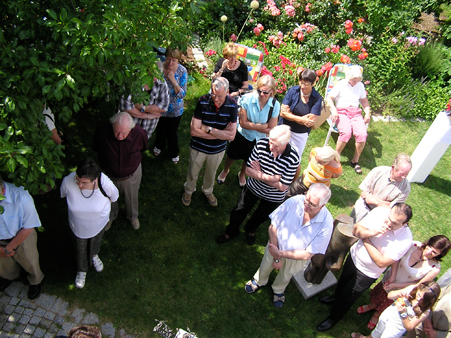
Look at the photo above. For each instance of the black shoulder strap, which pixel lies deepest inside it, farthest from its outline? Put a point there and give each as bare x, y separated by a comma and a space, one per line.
271, 109
101, 188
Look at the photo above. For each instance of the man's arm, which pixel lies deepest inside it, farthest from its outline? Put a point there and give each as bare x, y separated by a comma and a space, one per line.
201, 130
362, 232
381, 260
373, 200
254, 171
15, 242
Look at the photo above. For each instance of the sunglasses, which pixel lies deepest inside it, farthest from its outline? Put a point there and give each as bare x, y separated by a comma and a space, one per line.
263, 92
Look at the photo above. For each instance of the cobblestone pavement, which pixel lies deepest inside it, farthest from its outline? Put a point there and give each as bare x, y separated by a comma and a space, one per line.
45, 317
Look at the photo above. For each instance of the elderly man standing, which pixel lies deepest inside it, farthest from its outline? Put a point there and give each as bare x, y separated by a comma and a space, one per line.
383, 187
300, 228
384, 237
212, 125
18, 238
119, 147
271, 169
147, 115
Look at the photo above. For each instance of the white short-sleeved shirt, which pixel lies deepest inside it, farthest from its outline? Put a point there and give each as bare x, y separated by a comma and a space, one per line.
88, 216
346, 95
314, 236
393, 244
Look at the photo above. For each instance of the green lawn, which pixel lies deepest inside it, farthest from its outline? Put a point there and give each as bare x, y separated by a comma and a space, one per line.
172, 269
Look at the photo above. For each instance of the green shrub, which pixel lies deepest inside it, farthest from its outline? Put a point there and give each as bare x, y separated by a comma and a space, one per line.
434, 62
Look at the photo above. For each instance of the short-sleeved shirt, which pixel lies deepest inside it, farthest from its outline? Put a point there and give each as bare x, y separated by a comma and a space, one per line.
314, 236
250, 103
313, 106
285, 165
214, 117
318, 173
175, 108
393, 244
346, 95
236, 77
88, 215
379, 184
119, 159
20, 212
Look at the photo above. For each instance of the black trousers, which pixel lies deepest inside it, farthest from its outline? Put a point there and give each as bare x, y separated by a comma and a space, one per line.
244, 207
167, 131
351, 285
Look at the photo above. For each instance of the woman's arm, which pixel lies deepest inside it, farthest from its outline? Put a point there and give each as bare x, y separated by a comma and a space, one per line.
333, 110
427, 278
246, 124
411, 323
366, 108
286, 113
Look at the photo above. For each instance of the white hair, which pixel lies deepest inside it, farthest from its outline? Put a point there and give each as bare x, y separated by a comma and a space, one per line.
354, 72
281, 134
119, 118
219, 83
320, 190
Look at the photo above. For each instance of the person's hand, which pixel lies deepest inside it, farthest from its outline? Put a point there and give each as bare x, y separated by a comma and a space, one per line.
370, 199
428, 329
277, 266
3, 253
256, 165
388, 286
234, 94
229, 127
171, 76
274, 251
138, 106
334, 117
307, 121
224, 64
367, 118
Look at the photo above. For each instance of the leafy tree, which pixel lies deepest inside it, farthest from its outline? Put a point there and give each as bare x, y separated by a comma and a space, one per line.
65, 53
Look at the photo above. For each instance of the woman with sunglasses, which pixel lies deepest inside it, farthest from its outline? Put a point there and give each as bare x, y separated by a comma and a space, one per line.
420, 264
89, 194
258, 115
233, 70
300, 109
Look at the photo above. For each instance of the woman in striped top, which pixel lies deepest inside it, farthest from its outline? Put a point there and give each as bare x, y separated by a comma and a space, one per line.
324, 164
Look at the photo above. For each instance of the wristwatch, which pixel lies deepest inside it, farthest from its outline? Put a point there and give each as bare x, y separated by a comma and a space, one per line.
143, 109
403, 315
6, 251
276, 260
209, 129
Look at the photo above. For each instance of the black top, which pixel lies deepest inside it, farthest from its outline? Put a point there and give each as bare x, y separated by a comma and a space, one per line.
236, 77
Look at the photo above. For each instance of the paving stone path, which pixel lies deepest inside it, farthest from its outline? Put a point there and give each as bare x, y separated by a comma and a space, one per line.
45, 317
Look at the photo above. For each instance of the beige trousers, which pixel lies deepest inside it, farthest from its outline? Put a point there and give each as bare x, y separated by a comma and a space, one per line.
288, 269
27, 257
129, 189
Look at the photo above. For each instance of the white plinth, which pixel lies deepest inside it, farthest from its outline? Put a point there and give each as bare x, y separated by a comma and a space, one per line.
307, 289
431, 148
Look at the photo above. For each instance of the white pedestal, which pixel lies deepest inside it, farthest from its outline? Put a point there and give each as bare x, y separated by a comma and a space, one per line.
431, 148
307, 289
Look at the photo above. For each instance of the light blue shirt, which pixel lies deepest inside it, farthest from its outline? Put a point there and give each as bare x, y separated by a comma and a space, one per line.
249, 102
313, 236
20, 212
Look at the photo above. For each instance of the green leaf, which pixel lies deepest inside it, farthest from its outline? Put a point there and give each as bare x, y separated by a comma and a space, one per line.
46, 89
52, 14
11, 164
63, 14
22, 160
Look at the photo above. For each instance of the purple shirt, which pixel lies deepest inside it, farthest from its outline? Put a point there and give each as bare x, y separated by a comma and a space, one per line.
119, 159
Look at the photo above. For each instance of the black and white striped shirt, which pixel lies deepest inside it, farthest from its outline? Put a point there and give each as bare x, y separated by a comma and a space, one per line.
285, 165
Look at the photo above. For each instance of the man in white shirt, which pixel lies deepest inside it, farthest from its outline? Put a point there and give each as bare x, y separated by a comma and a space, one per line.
384, 238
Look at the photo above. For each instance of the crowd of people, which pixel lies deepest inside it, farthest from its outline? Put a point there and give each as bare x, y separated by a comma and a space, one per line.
269, 137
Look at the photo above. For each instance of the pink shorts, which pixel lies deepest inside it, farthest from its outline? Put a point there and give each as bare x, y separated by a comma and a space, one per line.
349, 122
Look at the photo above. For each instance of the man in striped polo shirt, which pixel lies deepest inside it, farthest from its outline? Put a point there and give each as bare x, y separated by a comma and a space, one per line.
212, 125
271, 169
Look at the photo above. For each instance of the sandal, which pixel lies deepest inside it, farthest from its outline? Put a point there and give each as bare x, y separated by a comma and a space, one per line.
357, 168
156, 151
242, 185
279, 299
373, 321
251, 286
176, 159
364, 309
221, 180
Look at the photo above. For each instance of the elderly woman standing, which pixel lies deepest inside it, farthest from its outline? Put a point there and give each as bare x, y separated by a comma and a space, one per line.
176, 78
300, 109
89, 194
258, 115
348, 94
233, 70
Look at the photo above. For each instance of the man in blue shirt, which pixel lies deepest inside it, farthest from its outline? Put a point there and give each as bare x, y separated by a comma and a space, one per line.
18, 238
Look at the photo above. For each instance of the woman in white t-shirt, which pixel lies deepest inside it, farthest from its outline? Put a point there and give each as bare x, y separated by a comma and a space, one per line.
348, 94
89, 195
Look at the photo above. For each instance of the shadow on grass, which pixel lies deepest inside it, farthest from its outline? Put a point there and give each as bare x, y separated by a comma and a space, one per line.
438, 184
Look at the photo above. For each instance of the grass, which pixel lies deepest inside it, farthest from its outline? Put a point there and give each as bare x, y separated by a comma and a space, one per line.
172, 269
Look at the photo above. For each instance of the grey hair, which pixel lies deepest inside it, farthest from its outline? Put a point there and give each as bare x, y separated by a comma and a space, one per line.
322, 191
219, 83
119, 117
281, 133
354, 72
401, 158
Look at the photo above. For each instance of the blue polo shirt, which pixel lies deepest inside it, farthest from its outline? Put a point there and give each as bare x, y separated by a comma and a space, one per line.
250, 103
20, 212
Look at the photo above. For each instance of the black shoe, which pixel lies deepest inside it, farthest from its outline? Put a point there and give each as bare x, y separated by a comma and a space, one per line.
250, 240
221, 239
34, 291
4, 283
326, 325
328, 300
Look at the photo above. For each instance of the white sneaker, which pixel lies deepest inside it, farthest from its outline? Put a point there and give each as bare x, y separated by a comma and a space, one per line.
98, 265
80, 280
